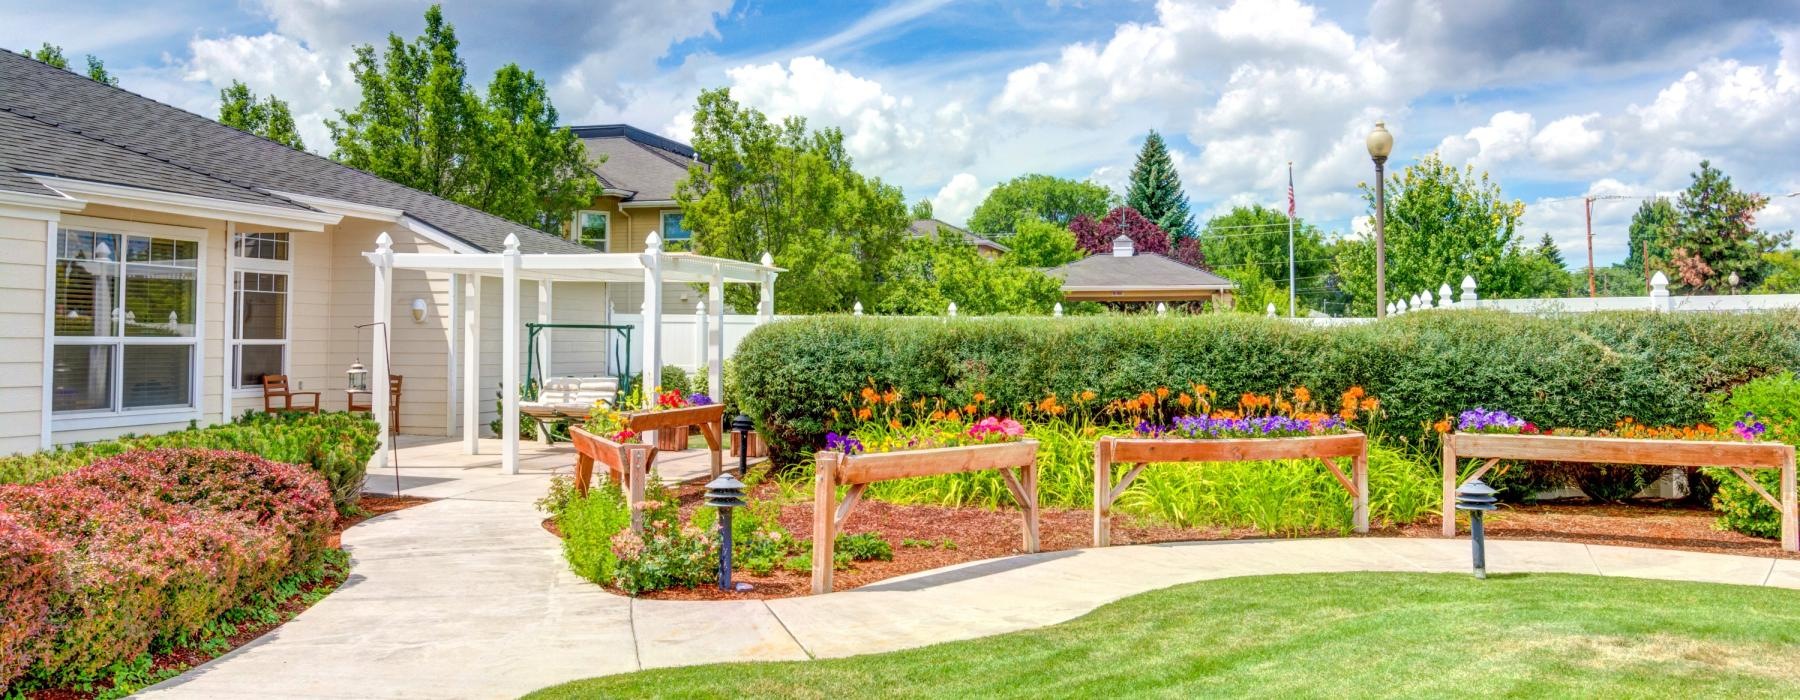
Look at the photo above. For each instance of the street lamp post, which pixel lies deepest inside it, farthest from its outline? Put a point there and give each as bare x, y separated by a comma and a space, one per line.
1381, 143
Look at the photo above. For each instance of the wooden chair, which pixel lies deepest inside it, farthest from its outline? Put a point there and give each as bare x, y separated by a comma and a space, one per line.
367, 404
275, 386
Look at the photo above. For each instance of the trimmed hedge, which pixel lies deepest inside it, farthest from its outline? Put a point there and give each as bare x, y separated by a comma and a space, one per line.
335, 445
144, 549
1579, 370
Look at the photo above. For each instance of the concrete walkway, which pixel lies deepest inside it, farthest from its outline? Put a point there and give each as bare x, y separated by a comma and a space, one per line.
469, 597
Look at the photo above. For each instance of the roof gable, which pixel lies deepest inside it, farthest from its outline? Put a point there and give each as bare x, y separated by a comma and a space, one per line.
645, 166
1140, 271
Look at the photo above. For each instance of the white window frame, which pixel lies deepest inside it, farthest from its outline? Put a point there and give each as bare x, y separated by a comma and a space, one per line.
575, 227
117, 415
238, 266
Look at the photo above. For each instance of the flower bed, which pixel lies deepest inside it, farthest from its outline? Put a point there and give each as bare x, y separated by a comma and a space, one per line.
145, 549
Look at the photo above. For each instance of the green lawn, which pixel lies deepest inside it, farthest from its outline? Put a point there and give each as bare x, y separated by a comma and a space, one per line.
1318, 635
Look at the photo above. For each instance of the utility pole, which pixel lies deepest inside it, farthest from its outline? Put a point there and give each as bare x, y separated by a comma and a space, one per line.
1588, 204
1645, 247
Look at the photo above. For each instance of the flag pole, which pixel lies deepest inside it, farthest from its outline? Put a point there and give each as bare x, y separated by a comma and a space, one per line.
1290, 239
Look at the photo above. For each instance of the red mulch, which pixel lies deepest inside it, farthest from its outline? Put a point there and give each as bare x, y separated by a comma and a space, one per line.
183, 658
986, 534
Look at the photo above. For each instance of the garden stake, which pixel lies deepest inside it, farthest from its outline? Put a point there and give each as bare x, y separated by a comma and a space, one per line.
1476, 497
725, 493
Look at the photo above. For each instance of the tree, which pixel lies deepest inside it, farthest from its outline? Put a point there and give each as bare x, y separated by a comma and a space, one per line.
1716, 234
1042, 244
1652, 228
1250, 243
921, 210
1442, 224
792, 192
1783, 273
421, 125
268, 118
1042, 198
1096, 237
1156, 191
52, 55
933, 271
1547, 249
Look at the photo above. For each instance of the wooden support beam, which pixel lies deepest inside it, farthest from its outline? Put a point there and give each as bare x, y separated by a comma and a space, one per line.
851, 498
824, 520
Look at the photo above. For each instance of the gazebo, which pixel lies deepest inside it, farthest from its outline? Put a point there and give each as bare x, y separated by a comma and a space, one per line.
1128, 276
652, 268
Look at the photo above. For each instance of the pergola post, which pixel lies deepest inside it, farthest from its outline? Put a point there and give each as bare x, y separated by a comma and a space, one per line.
383, 324
509, 356
653, 307
471, 379
700, 334
765, 307
545, 298
715, 336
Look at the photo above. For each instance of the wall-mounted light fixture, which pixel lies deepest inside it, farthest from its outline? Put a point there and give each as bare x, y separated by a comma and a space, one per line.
418, 310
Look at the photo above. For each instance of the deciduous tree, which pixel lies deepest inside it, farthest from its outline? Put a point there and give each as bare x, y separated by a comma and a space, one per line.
52, 55
933, 271
1249, 244
1039, 197
1096, 236
269, 118
1042, 244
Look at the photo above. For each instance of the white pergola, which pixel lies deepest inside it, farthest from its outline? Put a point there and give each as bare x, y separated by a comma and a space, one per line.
652, 268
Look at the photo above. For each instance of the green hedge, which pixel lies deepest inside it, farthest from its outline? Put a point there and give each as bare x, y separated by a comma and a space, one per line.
335, 445
1578, 371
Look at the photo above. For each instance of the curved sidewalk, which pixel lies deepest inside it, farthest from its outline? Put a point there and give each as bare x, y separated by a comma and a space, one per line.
468, 597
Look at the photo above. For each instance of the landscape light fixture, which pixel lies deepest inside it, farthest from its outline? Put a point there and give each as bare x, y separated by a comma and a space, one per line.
1381, 144
1477, 498
726, 493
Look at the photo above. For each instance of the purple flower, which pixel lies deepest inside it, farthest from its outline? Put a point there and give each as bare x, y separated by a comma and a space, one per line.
1479, 419
843, 443
1749, 428
699, 399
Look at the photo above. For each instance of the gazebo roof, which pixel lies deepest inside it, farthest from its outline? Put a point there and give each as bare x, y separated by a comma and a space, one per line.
1126, 275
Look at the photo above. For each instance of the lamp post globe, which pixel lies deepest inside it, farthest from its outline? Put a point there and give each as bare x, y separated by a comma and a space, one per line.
1381, 143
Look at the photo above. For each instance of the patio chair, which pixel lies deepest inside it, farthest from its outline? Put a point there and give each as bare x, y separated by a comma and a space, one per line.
275, 387
368, 401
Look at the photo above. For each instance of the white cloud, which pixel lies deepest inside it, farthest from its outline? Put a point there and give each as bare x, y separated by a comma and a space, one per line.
1568, 141
957, 199
1506, 136
312, 83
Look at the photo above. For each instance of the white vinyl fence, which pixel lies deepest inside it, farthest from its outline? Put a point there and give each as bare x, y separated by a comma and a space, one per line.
1659, 299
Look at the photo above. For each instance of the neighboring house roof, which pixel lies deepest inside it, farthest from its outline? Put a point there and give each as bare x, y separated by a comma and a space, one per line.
639, 165
55, 122
921, 228
1125, 270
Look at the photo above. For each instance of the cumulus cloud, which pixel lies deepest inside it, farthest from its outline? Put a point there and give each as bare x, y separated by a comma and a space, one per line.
311, 82
957, 199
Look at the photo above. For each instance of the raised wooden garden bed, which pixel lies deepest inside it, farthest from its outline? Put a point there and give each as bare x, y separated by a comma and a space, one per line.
627, 462
858, 471
1141, 452
1735, 456
710, 420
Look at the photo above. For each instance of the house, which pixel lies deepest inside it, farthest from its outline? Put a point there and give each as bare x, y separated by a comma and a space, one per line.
155, 265
1127, 276
921, 228
638, 172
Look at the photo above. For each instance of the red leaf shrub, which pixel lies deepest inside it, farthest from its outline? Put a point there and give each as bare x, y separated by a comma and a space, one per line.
27, 580
1096, 237
149, 546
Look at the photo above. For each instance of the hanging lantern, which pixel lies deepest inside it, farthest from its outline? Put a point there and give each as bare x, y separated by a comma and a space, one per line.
357, 378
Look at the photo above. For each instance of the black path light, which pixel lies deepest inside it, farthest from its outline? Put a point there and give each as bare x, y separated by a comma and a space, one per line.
1477, 498
742, 424
725, 493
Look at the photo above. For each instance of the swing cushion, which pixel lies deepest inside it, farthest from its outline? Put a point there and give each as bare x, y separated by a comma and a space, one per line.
574, 395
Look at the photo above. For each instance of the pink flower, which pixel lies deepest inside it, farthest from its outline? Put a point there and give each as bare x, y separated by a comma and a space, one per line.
991, 426
1011, 427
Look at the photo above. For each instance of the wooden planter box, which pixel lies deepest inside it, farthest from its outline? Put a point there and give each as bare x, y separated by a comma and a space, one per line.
672, 439
709, 419
1735, 456
858, 471
1141, 452
628, 464
758, 447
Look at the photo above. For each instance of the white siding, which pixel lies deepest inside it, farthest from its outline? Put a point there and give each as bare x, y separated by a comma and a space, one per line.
22, 255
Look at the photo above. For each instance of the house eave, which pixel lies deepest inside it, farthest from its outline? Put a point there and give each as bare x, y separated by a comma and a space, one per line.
188, 205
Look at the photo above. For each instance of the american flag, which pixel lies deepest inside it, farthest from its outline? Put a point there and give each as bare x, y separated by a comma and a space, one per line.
1290, 190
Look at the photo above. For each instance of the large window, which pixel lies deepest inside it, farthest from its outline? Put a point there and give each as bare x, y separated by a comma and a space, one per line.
259, 303
673, 231
591, 229
126, 309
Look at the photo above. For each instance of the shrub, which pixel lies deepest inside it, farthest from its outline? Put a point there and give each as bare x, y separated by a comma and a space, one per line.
337, 446
1775, 400
589, 524
1580, 370
864, 546
28, 580
151, 546
1614, 483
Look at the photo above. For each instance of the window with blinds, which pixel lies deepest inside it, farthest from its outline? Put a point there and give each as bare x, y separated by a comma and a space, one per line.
125, 310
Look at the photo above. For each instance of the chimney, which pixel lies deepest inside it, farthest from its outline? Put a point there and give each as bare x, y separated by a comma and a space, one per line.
1122, 247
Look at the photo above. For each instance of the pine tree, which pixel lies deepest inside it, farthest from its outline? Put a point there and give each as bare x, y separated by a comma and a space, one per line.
1652, 227
1717, 235
1547, 248
269, 118
1156, 192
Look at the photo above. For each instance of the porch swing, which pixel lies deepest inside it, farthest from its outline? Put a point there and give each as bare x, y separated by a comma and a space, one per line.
571, 397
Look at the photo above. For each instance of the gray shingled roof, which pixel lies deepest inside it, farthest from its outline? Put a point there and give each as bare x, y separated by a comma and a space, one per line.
925, 227
1140, 271
639, 162
63, 124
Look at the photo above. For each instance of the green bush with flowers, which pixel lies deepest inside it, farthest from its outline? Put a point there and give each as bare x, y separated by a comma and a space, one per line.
1772, 402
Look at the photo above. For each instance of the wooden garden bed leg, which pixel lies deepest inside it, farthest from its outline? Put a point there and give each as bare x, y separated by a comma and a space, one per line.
1029, 505
1103, 492
710, 430
584, 472
824, 520
1449, 488
1790, 511
634, 493
1360, 469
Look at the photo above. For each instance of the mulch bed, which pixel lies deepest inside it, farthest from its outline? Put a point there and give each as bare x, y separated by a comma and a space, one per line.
173, 662
986, 534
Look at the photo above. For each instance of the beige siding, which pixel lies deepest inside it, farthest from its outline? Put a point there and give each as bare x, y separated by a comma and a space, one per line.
629, 228
420, 350
22, 255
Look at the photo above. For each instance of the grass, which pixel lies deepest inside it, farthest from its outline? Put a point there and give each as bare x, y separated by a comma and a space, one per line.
1319, 635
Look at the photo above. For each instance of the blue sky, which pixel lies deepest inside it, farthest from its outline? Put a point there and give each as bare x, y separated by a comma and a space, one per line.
947, 98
